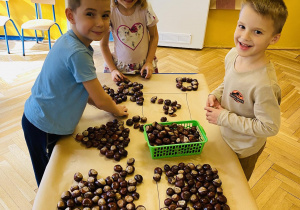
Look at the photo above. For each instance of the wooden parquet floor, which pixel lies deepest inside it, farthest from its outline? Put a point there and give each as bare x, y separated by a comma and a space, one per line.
275, 182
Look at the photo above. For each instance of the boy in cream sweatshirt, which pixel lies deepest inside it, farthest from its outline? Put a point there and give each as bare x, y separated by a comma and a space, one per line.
246, 104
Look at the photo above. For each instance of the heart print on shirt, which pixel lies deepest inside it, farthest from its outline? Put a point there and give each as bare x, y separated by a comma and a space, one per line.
131, 37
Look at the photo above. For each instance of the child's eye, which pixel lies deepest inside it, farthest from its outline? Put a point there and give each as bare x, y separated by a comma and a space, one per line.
241, 27
257, 32
90, 14
105, 16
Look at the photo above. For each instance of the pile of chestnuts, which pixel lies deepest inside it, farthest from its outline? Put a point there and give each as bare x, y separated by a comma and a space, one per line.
173, 133
126, 88
195, 187
112, 192
169, 108
181, 80
111, 139
135, 121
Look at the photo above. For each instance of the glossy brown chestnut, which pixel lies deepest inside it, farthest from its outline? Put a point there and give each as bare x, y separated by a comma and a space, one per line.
78, 177
158, 170
160, 101
138, 178
163, 119
156, 177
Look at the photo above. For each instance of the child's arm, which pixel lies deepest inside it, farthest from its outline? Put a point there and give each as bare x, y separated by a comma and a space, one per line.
267, 116
148, 66
104, 47
100, 99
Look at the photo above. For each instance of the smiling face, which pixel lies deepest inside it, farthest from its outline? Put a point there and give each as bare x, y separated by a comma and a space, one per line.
90, 21
254, 33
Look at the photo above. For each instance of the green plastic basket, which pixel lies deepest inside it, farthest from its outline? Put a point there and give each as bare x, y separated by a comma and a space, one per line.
183, 149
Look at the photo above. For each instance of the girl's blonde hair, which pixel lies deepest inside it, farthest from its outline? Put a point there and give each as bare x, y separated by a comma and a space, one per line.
143, 3
275, 9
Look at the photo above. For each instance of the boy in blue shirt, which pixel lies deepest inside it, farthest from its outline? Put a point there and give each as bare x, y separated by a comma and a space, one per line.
66, 83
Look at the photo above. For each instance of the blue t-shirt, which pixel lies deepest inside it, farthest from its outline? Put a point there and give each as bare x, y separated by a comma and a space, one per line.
58, 97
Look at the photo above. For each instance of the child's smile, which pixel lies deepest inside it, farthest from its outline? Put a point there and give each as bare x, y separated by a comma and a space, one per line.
244, 46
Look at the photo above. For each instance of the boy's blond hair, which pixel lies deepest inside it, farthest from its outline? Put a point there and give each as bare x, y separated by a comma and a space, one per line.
73, 4
143, 3
275, 9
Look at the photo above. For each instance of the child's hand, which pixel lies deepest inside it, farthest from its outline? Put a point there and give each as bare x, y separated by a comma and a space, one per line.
212, 114
117, 76
213, 102
122, 111
148, 67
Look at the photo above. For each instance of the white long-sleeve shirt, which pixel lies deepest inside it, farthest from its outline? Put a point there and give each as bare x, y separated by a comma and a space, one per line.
251, 106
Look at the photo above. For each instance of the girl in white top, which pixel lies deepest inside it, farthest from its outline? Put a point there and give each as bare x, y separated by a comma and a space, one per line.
134, 30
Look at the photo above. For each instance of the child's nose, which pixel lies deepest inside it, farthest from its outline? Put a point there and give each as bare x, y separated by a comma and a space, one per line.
246, 35
99, 22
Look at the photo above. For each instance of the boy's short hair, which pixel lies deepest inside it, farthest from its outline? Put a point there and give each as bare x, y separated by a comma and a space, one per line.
275, 9
143, 3
73, 4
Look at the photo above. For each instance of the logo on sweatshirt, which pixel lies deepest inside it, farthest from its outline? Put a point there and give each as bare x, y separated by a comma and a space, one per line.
237, 96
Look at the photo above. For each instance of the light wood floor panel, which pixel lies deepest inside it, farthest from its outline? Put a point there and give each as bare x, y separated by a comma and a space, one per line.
275, 183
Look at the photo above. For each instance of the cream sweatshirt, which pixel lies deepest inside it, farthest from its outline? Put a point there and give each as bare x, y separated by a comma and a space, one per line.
251, 106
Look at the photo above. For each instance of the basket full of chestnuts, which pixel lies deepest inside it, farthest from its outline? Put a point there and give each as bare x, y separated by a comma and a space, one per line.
172, 139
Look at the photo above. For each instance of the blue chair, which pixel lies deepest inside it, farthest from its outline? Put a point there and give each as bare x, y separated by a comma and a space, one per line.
39, 23
3, 22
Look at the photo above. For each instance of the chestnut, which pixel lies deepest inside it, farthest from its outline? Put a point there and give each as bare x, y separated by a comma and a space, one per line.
78, 177
79, 137
170, 191
168, 201
87, 202
136, 126
163, 119
221, 199
194, 198
167, 167
135, 195
158, 170
182, 203
153, 99
160, 101
131, 188
143, 119
130, 169
140, 207
66, 195
156, 177
128, 198
121, 203
167, 102
130, 206
142, 127
217, 182
129, 122
78, 200
136, 118
74, 187
202, 191
130, 161
171, 180
61, 205
132, 182
179, 79
138, 178
175, 197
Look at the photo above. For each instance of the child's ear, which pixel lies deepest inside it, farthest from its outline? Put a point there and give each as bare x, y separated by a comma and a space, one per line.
69, 15
275, 38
